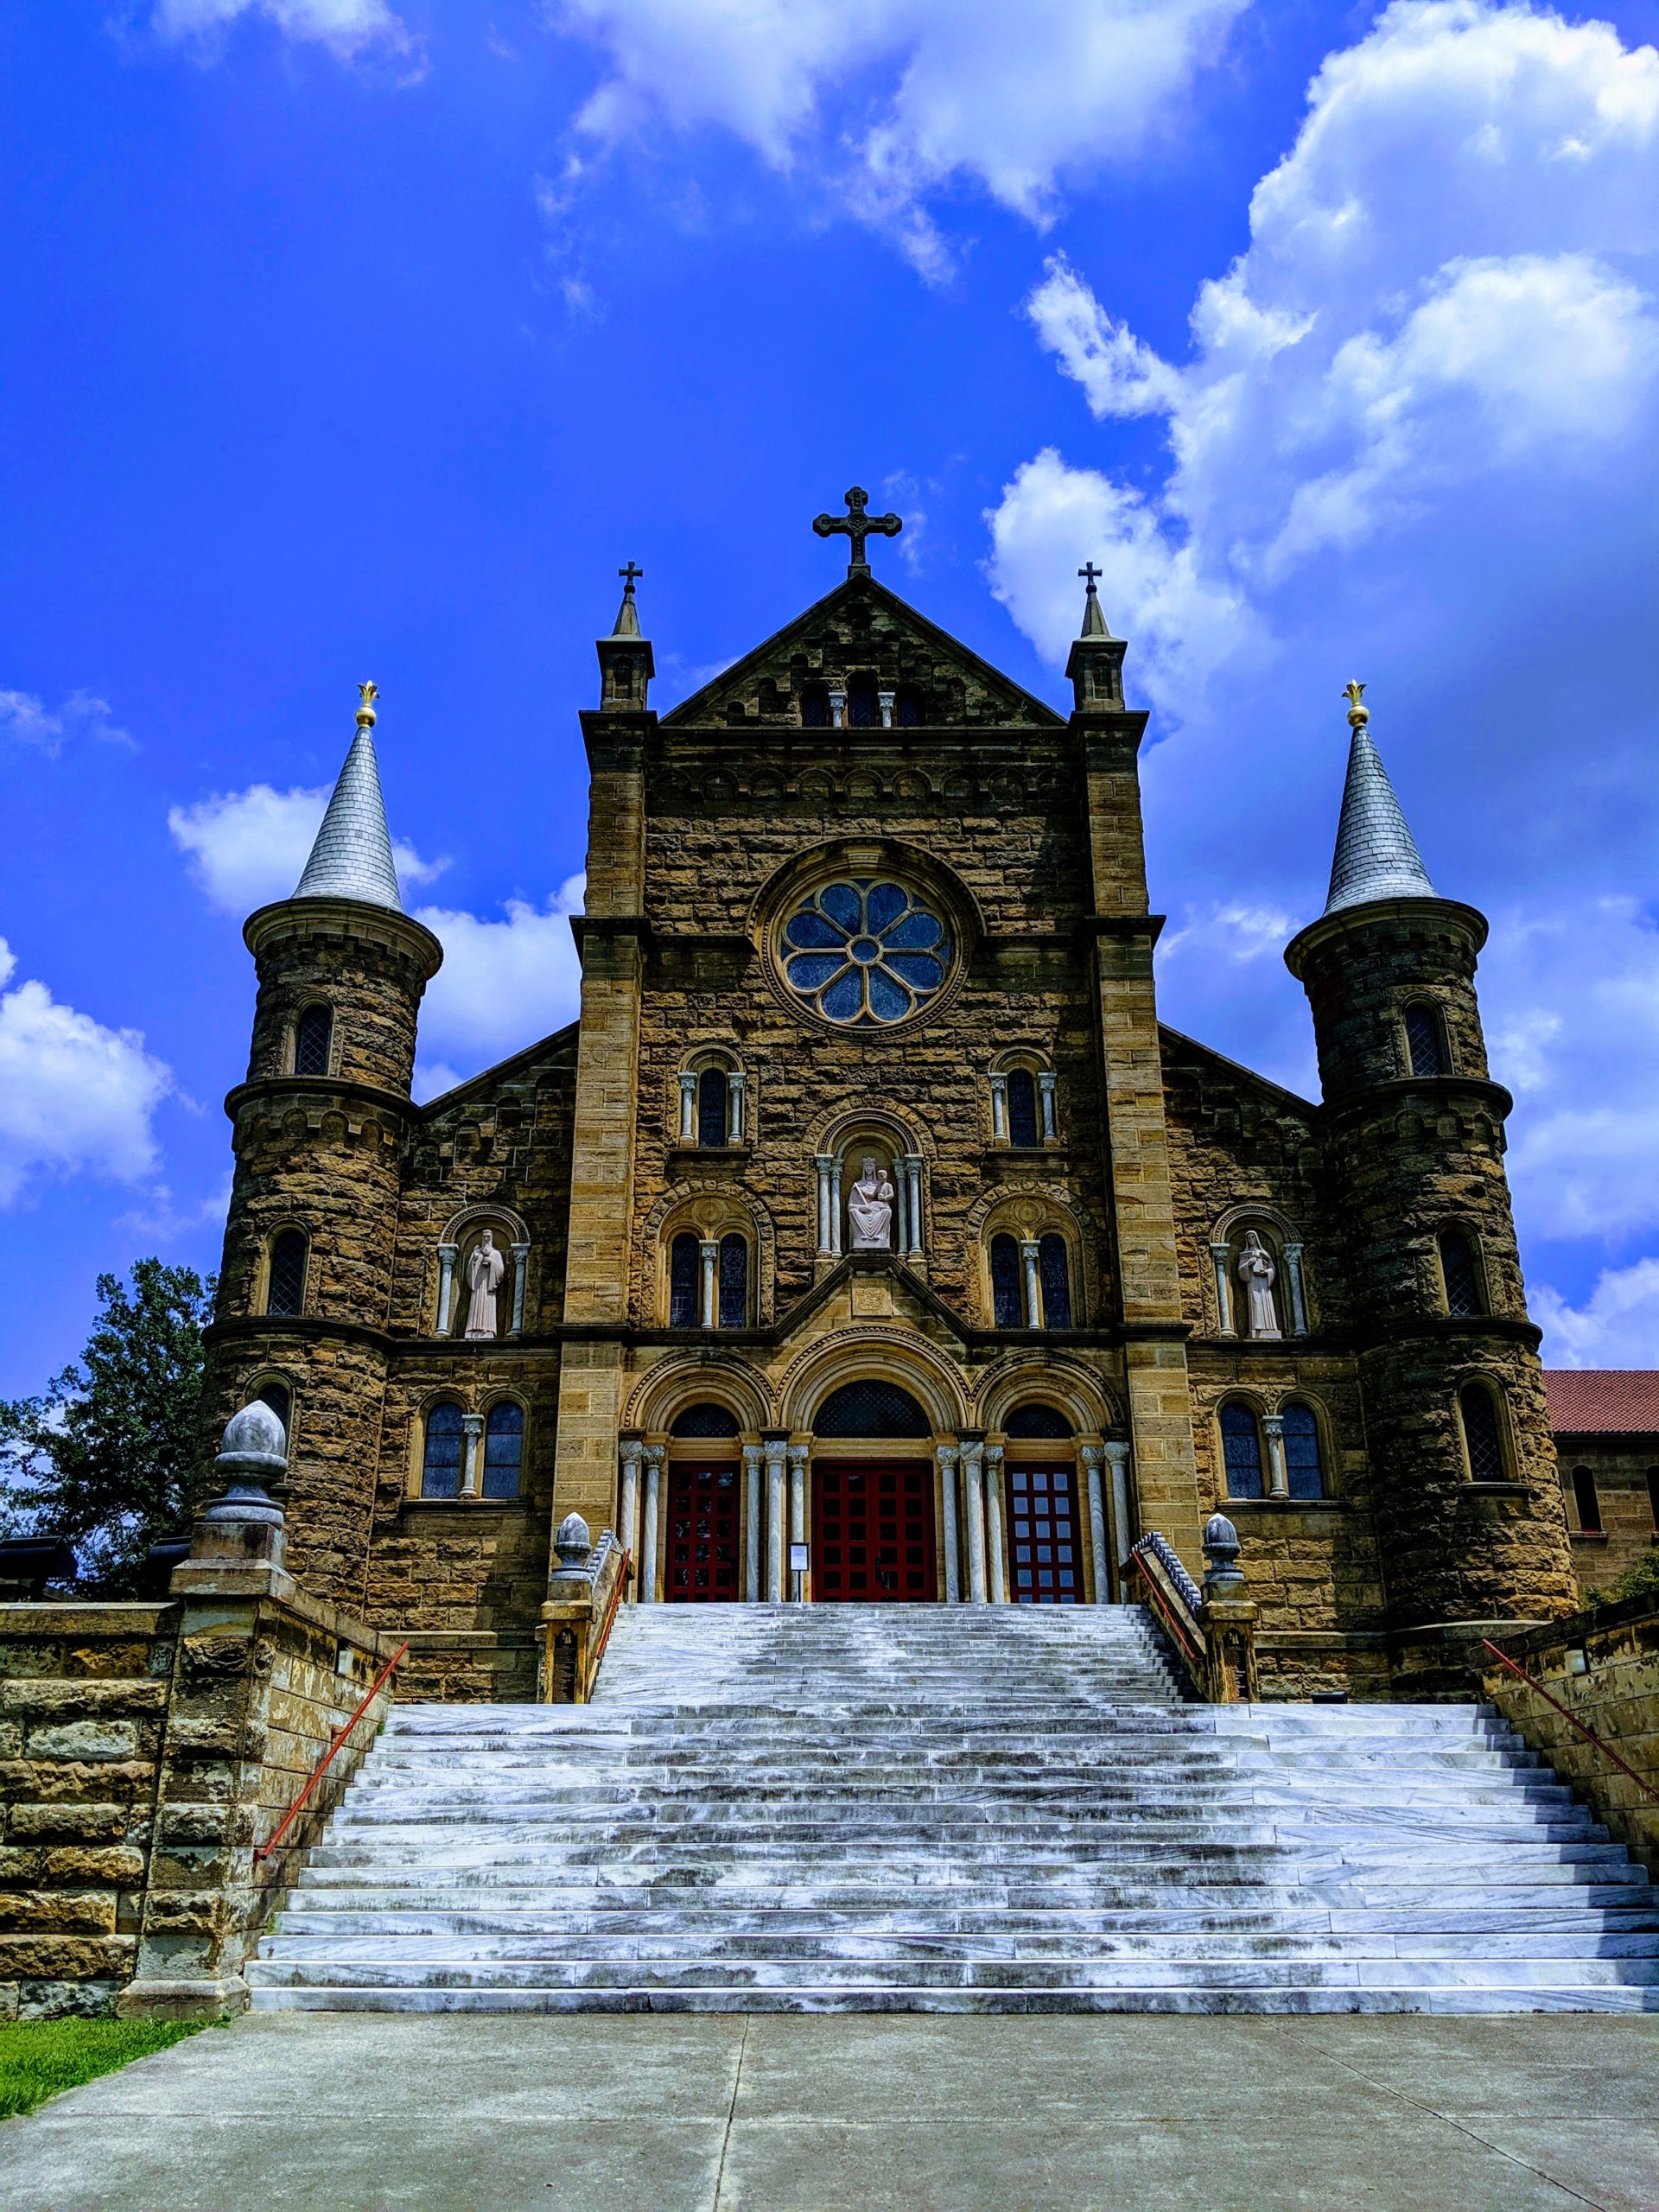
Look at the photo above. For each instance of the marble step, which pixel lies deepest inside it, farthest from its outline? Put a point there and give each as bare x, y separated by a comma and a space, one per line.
874, 1997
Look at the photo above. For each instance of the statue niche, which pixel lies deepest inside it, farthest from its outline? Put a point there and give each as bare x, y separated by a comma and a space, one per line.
869, 1207
1257, 1273
483, 1293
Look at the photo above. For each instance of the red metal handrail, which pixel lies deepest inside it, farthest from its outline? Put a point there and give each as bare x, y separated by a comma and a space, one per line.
1572, 1719
263, 1850
624, 1575
1166, 1613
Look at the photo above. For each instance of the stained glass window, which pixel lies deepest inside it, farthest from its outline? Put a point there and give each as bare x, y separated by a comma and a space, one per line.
440, 1465
1304, 1473
1241, 1449
504, 1449
704, 1421
865, 953
311, 1042
285, 1291
279, 1398
1053, 1268
712, 1093
1022, 1107
1460, 1273
1007, 1304
1480, 1434
874, 1408
684, 1272
1423, 1039
733, 1282
1033, 1421
861, 704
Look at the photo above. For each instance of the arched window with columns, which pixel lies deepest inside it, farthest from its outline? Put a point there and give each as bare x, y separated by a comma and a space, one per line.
1023, 1108
712, 1102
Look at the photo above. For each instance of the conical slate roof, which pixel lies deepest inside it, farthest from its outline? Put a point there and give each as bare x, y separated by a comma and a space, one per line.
1377, 856
351, 857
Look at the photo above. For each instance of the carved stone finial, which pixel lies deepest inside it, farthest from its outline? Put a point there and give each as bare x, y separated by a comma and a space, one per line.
1358, 713
1222, 1577
367, 695
857, 525
573, 1542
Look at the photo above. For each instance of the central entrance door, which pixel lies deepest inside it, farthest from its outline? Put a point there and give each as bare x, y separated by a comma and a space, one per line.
702, 1563
872, 1530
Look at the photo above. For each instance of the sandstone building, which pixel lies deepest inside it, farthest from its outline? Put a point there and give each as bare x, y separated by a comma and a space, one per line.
869, 1207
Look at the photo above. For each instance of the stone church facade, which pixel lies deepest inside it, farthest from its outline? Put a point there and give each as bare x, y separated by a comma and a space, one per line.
869, 1207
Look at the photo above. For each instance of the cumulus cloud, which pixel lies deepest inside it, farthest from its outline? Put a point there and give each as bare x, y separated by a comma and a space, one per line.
503, 984
25, 719
1618, 1325
75, 1098
347, 28
893, 99
244, 847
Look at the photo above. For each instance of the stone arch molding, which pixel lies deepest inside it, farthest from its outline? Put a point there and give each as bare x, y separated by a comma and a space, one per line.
687, 1380
709, 1203
1088, 1403
852, 1354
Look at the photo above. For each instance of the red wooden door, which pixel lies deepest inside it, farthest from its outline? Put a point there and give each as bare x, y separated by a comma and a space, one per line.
702, 1565
1042, 1549
872, 1531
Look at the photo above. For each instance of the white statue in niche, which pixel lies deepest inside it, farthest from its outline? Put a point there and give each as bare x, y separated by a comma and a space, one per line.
484, 1270
1257, 1273
869, 1207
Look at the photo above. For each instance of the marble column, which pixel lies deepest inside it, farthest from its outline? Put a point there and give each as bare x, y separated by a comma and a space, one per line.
708, 1309
798, 1453
751, 1459
688, 1109
1093, 1457
1046, 1089
632, 1450
735, 1087
912, 1171
900, 1208
648, 1541
776, 1449
447, 1255
1278, 1474
947, 1455
973, 1485
835, 1206
837, 707
999, 1110
996, 1559
471, 1429
823, 1162
1117, 1458
1220, 1256
1030, 1252
1297, 1300
520, 1262
885, 700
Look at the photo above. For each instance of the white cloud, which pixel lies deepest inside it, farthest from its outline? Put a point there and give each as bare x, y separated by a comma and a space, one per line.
503, 985
244, 847
892, 99
347, 28
75, 1098
1616, 1327
26, 719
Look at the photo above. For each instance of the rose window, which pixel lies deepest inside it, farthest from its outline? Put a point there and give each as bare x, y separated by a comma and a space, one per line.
865, 953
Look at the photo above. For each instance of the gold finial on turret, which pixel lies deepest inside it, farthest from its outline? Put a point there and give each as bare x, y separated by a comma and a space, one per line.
1358, 713
367, 694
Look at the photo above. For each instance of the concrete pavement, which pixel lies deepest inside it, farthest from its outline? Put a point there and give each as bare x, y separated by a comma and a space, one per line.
345, 2113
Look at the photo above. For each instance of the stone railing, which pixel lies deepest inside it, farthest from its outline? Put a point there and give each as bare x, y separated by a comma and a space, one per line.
1212, 1629
585, 1589
1602, 1666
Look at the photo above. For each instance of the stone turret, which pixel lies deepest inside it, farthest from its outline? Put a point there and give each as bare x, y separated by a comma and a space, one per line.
319, 1126
1468, 1504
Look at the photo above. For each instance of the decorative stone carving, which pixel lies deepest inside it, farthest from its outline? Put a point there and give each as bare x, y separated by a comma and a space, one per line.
1257, 1273
484, 1270
869, 1208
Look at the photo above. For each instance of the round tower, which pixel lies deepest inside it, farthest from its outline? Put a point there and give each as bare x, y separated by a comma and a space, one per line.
305, 1287
1470, 1524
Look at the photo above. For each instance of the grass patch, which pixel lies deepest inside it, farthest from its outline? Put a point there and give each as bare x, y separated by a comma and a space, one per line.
40, 2057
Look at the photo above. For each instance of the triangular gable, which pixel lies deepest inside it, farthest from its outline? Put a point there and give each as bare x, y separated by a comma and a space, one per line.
1175, 1047
894, 627
908, 1288
557, 1052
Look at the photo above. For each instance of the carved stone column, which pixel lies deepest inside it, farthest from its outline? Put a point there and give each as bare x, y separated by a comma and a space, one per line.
1296, 1300
823, 1163
1046, 1084
995, 1559
947, 1455
648, 1541
447, 1255
1117, 1458
1093, 1457
751, 1459
835, 1206
973, 1483
912, 1173
885, 700
1031, 1252
1219, 1255
776, 1449
798, 1454
708, 1311
688, 1109
520, 1262
837, 707
1278, 1474
999, 1110
632, 1452
735, 1088
472, 1430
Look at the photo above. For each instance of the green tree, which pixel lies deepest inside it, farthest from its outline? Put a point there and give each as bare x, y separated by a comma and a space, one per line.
106, 1457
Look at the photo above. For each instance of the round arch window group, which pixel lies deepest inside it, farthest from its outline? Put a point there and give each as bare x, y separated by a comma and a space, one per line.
865, 953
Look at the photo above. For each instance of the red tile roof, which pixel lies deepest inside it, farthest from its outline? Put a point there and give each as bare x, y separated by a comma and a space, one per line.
1603, 1400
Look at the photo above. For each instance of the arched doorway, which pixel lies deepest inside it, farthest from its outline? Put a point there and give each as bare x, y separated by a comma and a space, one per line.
873, 1533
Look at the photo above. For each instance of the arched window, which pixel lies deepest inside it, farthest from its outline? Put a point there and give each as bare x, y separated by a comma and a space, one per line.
713, 1107
1459, 1273
1034, 1420
279, 1398
1022, 1107
1241, 1449
861, 704
1054, 1272
1653, 1495
1425, 1039
1586, 1502
1007, 1306
907, 710
815, 707
733, 1282
1303, 1470
504, 1449
441, 1460
706, 1419
313, 1035
684, 1270
285, 1284
874, 1408
1482, 1437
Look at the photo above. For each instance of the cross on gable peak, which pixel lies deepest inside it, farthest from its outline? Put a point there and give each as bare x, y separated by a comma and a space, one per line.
857, 525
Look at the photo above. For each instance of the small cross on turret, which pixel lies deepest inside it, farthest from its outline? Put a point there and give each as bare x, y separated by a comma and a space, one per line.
857, 525
1090, 575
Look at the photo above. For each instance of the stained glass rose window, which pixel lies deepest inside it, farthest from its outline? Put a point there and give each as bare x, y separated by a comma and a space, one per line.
865, 953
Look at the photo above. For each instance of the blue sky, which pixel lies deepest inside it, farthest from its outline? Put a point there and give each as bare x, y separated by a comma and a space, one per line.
346, 338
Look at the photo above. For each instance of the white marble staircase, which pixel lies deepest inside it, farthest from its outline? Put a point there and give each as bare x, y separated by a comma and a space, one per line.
850, 1808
